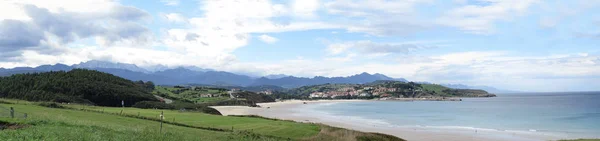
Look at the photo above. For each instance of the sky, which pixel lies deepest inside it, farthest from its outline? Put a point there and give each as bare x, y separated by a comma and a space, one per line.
526, 45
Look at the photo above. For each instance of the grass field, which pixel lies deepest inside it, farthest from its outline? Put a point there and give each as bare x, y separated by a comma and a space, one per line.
70, 123
191, 95
438, 89
209, 99
63, 124
283, 129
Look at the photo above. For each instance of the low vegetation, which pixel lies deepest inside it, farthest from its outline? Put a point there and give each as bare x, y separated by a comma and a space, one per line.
153, 105
51, 105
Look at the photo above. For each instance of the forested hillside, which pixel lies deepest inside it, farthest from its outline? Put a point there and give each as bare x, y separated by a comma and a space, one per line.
76, 86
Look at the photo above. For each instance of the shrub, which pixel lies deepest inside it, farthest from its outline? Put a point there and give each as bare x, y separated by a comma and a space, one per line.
209, 110
233, 103
5, 102
153, 104
51, 105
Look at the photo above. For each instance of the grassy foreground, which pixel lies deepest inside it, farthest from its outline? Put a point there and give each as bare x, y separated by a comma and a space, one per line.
45, 123
284, 129
62, 124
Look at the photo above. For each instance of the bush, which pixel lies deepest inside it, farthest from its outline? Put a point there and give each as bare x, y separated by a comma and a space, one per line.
51, 105
233, 102
195, 107
152, 105
209, 110
5, 102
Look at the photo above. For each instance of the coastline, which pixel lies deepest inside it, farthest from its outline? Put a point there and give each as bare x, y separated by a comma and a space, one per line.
287, 110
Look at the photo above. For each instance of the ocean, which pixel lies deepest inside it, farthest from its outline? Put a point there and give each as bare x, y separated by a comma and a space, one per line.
573, 114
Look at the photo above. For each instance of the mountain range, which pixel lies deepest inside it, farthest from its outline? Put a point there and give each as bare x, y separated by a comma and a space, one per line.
163, 75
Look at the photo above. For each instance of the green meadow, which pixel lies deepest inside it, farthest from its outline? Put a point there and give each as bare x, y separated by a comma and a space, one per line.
79, 122
279, 128
64, 124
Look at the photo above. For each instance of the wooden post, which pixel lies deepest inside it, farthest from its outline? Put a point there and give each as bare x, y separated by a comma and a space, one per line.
161, 120
121, 112
12, 112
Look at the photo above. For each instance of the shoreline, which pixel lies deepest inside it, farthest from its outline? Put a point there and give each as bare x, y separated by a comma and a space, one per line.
286, 111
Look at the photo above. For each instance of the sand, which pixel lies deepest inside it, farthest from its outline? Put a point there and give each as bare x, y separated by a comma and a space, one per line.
285, 110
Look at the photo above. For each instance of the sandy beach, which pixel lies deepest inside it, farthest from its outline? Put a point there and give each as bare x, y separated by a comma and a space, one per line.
285, 110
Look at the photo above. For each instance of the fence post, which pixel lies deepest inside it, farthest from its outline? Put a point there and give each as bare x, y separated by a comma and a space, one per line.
12, 112
121, 112
161, 120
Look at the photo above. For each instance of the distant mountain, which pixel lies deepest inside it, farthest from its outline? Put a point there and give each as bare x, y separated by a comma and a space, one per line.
56, 67
292, 82
42, 68
276, 76
486, 88
195, 75
194, 68
186, 76
156, 68
93, 64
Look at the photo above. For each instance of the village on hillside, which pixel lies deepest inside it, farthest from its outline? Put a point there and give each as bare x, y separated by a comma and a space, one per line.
381, 92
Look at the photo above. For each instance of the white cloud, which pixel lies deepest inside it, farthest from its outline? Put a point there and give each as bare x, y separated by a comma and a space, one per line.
480, 19
372, 7
227, 25
50, 26
170, 2
267, 39
306, 8
347, 58
379, 17
369, 47
175, 17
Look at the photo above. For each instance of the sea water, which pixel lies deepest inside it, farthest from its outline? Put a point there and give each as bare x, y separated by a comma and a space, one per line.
576, 114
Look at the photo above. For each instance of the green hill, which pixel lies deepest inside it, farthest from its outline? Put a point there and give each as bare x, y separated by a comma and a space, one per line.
75, 86
382, 88
207, 95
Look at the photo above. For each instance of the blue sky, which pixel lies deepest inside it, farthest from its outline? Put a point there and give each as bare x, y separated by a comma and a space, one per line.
528, 45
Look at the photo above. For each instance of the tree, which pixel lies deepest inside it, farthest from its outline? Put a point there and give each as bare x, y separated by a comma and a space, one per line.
149, 85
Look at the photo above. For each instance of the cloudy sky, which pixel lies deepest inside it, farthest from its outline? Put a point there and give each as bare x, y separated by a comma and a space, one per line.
527, 45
